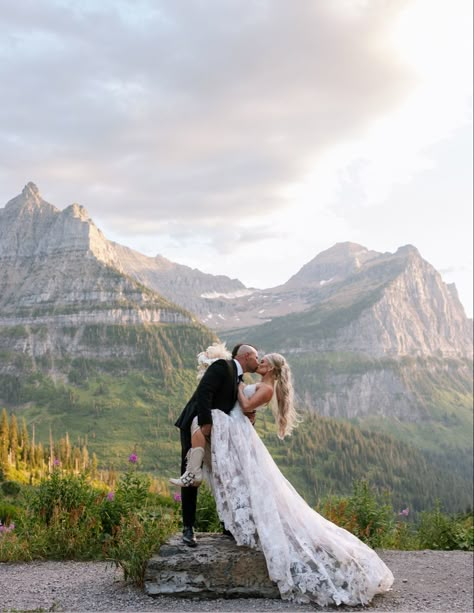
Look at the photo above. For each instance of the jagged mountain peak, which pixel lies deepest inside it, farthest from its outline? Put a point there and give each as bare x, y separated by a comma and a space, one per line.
30, 198
78, 211
333, 264
31, 189
31, 227
408, 250
343, 248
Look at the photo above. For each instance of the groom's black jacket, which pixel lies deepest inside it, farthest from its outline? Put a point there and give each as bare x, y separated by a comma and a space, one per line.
216, 390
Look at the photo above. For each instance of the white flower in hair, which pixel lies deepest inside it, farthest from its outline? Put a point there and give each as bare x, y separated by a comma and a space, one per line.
216, 351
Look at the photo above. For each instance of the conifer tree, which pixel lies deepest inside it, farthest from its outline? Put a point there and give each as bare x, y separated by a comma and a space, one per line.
38, 451
24, 441
51, 451
67, 459
94, 466
4, 444
13, 436
85, 458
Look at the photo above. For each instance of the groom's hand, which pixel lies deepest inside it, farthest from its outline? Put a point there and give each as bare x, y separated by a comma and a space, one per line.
206, 429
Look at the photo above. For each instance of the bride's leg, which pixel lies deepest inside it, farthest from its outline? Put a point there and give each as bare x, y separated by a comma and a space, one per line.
192, 477
198, 439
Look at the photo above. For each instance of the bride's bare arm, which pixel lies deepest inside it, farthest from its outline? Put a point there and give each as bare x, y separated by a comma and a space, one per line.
263, 394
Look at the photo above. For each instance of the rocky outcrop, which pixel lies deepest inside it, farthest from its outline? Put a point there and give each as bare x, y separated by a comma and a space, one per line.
58, 277
35, 234
416, 314
216, 568
334, 264
32, 228
394, 304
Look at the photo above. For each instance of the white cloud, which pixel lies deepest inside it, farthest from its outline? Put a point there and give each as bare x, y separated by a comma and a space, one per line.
243, 138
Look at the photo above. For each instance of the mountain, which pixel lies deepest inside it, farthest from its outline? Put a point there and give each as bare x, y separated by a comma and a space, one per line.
67, 307
366, 332
189, 287
382, 342
335, 264
100, 341
367, 302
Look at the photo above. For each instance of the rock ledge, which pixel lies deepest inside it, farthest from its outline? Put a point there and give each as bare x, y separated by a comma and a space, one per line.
216, 568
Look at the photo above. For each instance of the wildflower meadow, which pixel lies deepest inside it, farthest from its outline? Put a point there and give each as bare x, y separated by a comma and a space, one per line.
55, 503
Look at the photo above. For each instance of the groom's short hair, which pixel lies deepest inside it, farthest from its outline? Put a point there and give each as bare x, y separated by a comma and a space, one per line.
235, 350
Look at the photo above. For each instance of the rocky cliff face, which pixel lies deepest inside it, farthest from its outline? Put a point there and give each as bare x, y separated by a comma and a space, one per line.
382, 337
58, 272
408, 309
189, 287
374, 337
30, 227
335, 264
384, 305
415, 314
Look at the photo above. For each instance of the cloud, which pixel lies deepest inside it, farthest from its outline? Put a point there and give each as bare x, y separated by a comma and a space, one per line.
245, 135
186, 110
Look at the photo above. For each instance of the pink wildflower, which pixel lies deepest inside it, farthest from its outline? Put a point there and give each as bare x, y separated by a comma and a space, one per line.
133, 458
5, 529
405, 512
56, 462
177, 497
110, 495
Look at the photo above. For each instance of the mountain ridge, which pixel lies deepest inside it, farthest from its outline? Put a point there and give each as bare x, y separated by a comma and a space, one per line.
101, 338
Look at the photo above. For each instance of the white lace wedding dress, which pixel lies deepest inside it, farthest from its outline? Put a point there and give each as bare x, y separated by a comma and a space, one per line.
308, 557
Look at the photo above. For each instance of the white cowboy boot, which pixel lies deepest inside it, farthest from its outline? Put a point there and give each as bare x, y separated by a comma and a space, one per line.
193, 475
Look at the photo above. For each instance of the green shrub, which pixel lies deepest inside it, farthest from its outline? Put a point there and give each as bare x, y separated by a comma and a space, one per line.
132, 494
136, 538
8, 512
402, 537
14, 548
207, 519
440, 531
11, 488
374, 518
363, 514
68, 493
463, 533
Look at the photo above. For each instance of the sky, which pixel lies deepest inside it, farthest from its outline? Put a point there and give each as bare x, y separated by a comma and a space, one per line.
244, 137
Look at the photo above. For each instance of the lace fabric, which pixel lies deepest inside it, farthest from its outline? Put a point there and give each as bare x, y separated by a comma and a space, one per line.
308, 557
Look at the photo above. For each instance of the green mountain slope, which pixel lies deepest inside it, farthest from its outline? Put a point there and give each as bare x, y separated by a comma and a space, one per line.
113, 415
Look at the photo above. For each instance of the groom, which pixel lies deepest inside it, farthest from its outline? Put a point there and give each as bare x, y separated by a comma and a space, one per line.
216, 390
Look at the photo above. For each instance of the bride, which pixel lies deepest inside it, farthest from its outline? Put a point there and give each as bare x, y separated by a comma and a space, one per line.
307, 556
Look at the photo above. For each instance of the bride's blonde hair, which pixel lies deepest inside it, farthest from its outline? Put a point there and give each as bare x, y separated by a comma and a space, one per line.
282, 401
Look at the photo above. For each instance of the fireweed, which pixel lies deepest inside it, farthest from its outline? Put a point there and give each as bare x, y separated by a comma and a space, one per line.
66, 517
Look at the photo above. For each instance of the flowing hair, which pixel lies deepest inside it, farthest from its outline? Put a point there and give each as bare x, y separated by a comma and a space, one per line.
282, 401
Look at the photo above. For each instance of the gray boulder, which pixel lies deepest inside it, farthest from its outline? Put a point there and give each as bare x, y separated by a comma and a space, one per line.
216, 568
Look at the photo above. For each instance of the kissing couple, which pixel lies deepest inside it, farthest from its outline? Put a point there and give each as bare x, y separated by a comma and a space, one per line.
307, 556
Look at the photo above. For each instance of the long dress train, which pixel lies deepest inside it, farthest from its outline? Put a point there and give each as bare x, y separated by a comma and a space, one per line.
308, 557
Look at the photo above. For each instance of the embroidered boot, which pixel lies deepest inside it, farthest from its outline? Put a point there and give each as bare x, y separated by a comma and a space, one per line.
193, 475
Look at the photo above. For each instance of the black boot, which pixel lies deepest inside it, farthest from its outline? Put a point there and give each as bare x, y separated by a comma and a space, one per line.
188, 536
